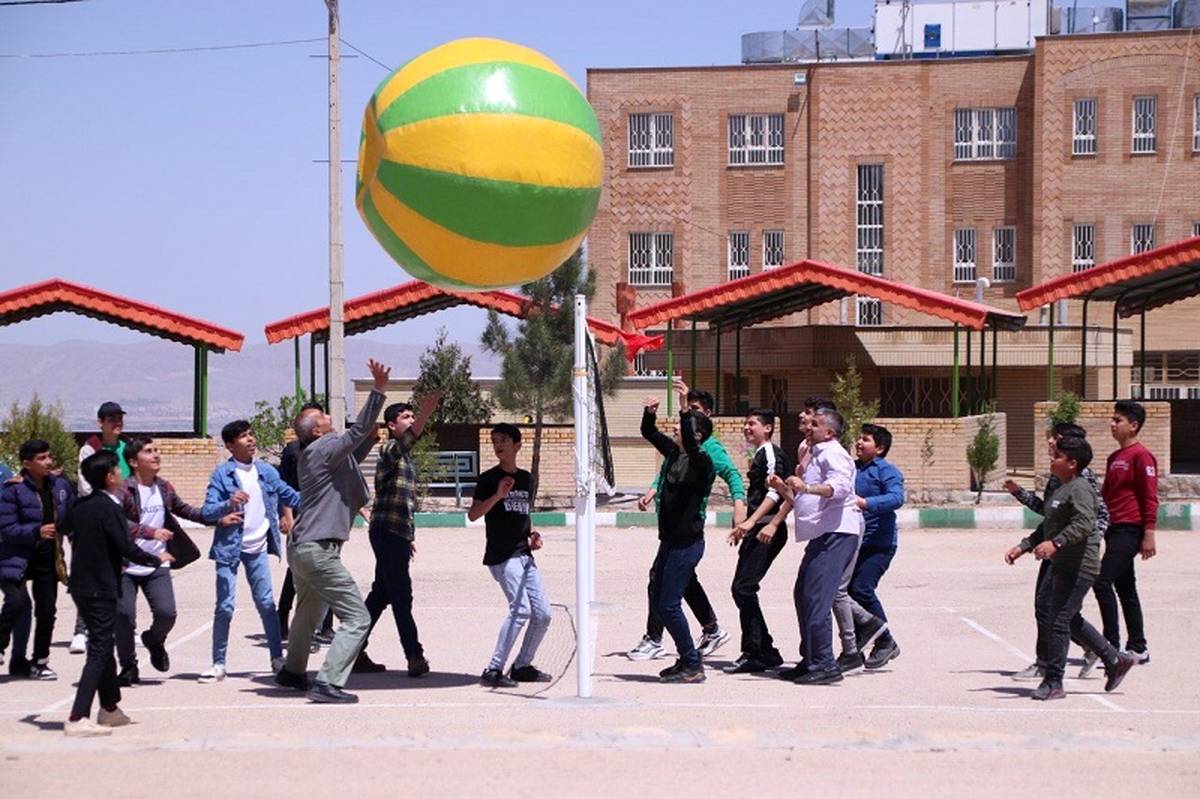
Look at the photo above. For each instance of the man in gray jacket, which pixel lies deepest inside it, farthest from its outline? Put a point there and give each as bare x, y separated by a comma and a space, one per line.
333, 490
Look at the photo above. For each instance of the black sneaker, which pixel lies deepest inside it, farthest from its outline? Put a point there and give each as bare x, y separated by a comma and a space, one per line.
1117, 671
289, 679
128, 677
819, 677
849, 663
745, 665
529, 673
684, 674
772, 659
418, 666
866, 633
494, 678
669, 670
159, 658
364, 665
19, 668
794, 672
1140, 656
886, 649
41, 670
1048, 691
328, 694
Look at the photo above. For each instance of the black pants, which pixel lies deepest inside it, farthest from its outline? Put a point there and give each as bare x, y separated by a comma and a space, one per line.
1060, 596
100, 668
674, 569
754, 560
287, 595
160, 593
43, 582
1122, 544
393, 586
1042, 617
696, 599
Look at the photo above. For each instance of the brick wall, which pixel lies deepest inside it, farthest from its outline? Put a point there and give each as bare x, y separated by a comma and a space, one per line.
1094, 418
557, 472
188, 463
945, 469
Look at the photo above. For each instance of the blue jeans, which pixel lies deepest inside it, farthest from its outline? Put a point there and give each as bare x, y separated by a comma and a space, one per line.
674, 567
872, 562
825, 559
522, 585
258, 574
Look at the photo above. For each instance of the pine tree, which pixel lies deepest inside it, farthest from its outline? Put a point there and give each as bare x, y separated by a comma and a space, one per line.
847, 395
444, 367
37, 420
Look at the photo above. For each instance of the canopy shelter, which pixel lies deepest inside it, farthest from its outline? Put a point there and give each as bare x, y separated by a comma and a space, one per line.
1134, 284
52, 296
774, 293
395, 304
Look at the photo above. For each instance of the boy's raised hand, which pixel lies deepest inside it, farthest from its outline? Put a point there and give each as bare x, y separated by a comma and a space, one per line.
379, 373
651, 404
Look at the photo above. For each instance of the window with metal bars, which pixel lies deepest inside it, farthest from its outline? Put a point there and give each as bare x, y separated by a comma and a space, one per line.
1004, 254
651, 140
982, 134
1145, 118
650, 259
868, 311
739, 254
869, 219
755, 139
964, 255
1195, 229
772, 248
1141, 238
1196, 124
1083, 247
1083, 141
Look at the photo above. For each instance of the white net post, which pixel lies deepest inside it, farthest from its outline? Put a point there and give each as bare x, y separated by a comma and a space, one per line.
585, 506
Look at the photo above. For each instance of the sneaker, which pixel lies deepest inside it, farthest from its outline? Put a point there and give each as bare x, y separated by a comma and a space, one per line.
277, 664
288, 679
711, 642
128, 677
866, 633
1141, 657
364, 665
494, 678
745, 665
1117, 671
84, 728
791, 674
112, 718
684, 674
885, 650
1048, 691
819, 677
324, 693
41, 671
849, 663
215, 674
1034, 671
78, 644
159, 658
529, 673
772, 659
1090, 659
418, 666
672, 669
647, 649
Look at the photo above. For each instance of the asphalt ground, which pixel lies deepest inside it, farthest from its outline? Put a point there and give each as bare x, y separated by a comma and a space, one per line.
945, 718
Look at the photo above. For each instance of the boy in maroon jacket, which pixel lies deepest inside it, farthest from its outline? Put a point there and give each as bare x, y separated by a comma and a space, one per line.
1131, 492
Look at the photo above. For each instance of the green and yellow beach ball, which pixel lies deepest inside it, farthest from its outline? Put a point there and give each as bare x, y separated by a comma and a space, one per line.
480, 165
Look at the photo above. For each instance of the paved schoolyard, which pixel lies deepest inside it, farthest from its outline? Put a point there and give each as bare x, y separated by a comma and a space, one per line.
943, 719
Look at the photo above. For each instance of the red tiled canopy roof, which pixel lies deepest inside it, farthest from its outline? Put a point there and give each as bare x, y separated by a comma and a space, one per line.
52, 296
1138, 282
408, 300
778, 292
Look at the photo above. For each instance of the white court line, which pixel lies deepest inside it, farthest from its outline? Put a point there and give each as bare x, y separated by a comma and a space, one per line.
979, 628
171, 648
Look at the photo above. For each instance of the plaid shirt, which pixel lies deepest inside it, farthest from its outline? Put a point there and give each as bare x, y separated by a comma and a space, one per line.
395, 488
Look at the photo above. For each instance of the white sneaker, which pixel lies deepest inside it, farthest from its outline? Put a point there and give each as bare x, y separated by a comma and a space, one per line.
78, 644
116, 718
215, 674
1142, 657
277, 664
646, 649
1090, 659
711, 642
84, 728
1034, 671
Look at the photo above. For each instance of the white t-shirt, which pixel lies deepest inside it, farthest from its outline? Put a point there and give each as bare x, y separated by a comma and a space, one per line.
154, 514
255, 525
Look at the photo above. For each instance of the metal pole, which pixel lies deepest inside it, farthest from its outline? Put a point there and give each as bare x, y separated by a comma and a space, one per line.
296, 351
994, 384
312, 368
335, 347
984, 388
717, 387
670, 368
954, 386
200, 412
970, 376
1083, 352
325, 351
737, 370
1050, 359
693, 347
196, 389
1116, 305
583, 487
1142, 348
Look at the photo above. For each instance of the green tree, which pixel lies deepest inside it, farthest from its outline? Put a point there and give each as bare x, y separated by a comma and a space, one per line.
847, 395
537, 362
270, 423
983, 451
38, 420
444, 367
1066, 410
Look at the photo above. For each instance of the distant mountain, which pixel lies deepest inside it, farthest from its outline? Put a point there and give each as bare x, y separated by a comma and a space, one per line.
152, 379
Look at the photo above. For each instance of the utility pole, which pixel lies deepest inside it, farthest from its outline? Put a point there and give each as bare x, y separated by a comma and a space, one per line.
337, 342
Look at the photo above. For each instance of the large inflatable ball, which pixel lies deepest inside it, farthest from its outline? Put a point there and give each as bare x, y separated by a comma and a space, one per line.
479, 166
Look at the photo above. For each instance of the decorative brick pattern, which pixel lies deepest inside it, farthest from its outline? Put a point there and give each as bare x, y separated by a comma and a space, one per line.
188, 463
1094, 418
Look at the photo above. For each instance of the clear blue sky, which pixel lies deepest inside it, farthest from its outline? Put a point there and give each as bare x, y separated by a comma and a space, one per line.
188, 179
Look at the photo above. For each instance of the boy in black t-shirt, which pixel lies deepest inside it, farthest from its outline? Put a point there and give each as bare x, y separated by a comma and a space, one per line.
503, 498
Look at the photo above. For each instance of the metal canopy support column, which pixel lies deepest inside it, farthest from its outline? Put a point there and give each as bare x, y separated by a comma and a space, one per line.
984, 388
312, 368
200, 392
1050, 358
970, 385
1083, 351
1116, 305
1142, 351
328, 406
737, 371
994, 383
692, 382
717, 387
670, 368
954, 377
299, 385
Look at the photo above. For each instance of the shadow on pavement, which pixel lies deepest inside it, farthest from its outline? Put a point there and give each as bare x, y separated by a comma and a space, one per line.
34, 720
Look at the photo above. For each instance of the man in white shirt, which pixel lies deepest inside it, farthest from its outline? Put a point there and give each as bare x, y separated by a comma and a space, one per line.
827, 516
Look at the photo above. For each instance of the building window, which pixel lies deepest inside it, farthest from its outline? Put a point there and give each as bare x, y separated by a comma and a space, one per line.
1083, 141
1195, 229
739, 254
755, 139
1083, 247
1141, 238
772, 248
869, 219
868, 311
650, 258
651, 140
1004, 254
982, 134
1145, 112
964, 255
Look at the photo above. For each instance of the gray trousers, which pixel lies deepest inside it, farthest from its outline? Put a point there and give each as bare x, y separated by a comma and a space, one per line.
521, 583
160, 593
846, 612
321, 577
